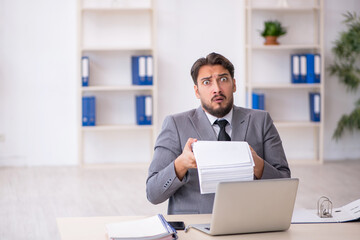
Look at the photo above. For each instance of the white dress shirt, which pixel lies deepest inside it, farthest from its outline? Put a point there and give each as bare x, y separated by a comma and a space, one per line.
216, 127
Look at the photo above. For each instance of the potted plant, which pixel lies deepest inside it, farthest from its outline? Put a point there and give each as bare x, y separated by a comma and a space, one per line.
272, 30
346, 67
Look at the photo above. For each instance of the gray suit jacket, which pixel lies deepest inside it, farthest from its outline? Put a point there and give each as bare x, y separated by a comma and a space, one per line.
253, 126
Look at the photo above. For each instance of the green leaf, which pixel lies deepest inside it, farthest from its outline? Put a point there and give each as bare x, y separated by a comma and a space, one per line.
273, 28
350, 122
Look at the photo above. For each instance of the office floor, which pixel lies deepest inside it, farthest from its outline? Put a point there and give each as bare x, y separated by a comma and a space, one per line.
32, 198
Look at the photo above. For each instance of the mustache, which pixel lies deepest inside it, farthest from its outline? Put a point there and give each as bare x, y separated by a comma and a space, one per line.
219, 95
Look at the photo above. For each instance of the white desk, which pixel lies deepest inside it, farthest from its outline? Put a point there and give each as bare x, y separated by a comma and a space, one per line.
93, 228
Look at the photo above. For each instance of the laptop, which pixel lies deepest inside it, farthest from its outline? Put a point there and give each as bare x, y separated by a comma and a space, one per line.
252, 206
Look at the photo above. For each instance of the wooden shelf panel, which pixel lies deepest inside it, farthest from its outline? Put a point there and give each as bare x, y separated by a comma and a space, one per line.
284, 47
284, 9
116, 127
115, 9
117, 88
115, 48
285, 86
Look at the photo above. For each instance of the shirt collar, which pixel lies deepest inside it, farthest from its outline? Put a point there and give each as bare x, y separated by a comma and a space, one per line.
212, 118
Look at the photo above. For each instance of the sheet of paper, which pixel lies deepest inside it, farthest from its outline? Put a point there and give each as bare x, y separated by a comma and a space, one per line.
221, 153
151, 226
222, 161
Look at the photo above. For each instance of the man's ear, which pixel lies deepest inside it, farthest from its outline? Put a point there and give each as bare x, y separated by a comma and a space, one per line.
234, 85
196, 89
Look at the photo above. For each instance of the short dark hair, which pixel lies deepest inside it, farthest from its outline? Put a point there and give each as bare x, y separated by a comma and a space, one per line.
211, 59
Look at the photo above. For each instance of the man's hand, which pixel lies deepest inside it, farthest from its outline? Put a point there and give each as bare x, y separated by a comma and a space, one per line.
186, 160
259, 164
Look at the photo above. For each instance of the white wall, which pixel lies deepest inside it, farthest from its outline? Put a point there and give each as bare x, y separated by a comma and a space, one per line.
38, 89
188, 30
38, 71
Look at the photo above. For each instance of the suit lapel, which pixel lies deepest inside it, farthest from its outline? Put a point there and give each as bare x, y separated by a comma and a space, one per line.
202, 125
240, 122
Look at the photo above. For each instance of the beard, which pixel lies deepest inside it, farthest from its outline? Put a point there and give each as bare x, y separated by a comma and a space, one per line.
221, 111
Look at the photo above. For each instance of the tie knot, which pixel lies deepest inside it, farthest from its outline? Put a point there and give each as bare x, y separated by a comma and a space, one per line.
222, 123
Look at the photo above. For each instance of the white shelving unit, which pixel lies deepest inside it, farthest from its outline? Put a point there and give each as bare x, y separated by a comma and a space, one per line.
109, 33
268, 70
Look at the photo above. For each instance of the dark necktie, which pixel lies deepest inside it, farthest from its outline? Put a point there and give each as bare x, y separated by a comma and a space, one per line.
223, 136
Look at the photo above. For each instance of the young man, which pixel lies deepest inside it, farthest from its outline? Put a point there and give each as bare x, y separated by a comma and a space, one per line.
173, 174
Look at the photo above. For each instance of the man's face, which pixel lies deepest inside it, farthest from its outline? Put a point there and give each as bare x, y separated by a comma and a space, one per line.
215, 89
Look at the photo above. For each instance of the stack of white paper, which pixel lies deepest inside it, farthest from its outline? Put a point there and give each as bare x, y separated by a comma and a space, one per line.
222, 161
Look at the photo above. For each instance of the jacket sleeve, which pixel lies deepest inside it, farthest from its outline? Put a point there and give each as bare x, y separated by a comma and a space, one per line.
162, 181
275, 163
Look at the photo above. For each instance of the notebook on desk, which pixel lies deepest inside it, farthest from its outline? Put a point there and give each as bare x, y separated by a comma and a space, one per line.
252, 206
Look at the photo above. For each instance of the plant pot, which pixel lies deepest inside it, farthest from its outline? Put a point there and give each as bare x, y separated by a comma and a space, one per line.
271, 40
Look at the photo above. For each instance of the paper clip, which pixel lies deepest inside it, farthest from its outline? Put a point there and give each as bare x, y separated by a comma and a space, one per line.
324, 207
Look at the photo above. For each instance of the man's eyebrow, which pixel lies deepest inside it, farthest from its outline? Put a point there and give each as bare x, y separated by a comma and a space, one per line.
205, 78
223, 74
219, 75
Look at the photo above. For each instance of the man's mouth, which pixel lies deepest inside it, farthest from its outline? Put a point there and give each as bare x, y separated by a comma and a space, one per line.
218, 98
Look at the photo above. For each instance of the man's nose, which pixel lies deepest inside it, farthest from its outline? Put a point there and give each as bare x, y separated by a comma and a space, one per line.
216, 87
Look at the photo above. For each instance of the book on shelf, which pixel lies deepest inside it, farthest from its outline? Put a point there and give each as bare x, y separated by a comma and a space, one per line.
149, 70
310, 78
258, 101
295, 68
305, 68
142, 70
315, 107
88, 110
155, 227
144, 109
85, 71
317, 68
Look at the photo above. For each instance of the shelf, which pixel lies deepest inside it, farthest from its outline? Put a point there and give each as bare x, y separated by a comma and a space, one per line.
116, 127
296, 124
284, 47
286, 86
268, 70
116, 48
115, 9
283, 9
110, 33
117, 88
